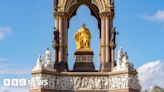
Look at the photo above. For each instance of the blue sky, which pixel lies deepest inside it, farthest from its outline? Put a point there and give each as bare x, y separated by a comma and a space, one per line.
26, 30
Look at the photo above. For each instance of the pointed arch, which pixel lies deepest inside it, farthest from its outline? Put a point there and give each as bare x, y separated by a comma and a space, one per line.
94, 10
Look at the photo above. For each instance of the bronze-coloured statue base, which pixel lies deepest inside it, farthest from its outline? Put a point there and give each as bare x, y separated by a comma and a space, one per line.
84, 61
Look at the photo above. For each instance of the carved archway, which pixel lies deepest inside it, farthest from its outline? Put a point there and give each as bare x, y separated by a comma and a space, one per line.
103, 10
94, 11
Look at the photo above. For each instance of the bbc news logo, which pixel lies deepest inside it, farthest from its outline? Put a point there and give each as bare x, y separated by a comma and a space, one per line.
24, 82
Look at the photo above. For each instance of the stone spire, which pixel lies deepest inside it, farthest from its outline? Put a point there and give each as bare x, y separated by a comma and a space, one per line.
39, 63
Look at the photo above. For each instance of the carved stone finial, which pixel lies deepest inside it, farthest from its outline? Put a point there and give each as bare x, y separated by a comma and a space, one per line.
39, 63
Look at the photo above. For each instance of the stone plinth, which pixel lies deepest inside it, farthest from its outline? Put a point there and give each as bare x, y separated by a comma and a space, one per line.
122, 81
61, 66
84, 61
84, 67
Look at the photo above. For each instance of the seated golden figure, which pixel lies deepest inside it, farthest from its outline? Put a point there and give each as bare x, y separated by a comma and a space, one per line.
83, 38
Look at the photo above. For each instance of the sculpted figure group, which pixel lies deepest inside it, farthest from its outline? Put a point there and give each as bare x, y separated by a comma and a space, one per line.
123, 61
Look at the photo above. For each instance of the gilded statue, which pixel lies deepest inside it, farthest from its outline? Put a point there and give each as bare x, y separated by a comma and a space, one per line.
82, 38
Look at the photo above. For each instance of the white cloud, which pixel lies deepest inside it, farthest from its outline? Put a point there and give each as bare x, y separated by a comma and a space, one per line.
14, 69
14, 89
151, 74
158, 16
4, 31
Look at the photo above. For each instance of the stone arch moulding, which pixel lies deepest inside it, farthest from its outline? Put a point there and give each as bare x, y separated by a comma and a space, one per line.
92, 7
102, 5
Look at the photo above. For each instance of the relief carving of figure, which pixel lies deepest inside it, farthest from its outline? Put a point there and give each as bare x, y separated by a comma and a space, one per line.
106, 84
57, 83
91, 83
97, 83
77, 82
64, 83
84, 83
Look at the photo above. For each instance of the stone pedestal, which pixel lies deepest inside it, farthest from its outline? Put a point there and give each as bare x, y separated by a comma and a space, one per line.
105, 67
61, 66
83, 67
84, 61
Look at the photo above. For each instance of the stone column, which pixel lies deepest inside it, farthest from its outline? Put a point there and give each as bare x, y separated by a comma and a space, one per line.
106, 27
102, 44
61, 39
107, 40
112, 45
55, 57
55, 41
112, 56
62, 28
111, 50
66, 40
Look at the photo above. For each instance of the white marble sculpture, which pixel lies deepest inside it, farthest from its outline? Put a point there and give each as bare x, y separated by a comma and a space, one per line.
39, 63
116, 80
125, 58
48, 56
120, 55
123, 62
48, 65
